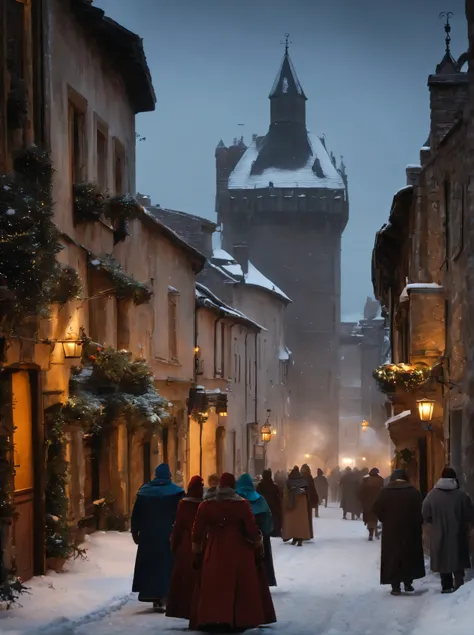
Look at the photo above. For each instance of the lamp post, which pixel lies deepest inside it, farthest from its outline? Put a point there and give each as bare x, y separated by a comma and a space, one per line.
266, 435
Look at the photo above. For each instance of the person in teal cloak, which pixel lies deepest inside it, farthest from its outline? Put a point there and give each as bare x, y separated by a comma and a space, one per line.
246, 489
152, 520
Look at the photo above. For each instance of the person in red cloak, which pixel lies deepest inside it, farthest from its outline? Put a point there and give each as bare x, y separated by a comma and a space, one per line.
184, 574
232, 592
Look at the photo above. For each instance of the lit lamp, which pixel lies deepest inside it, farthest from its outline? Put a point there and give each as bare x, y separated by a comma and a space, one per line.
425, 409
197, 350
72, 349
365, 425
266, 433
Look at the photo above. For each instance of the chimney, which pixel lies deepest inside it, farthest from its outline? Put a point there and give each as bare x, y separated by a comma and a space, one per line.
144, 200
241, 254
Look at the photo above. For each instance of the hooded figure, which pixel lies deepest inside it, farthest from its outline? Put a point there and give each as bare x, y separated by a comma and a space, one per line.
263, 516
449, 511
184, 575
296, 522
398, 508
322, 487
372, 484
271, 493
152, 520
231, 592
349, 486
313, 498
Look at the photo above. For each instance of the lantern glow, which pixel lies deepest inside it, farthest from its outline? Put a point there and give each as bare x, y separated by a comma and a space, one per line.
72, 349
266, 433
425, 409
365, 425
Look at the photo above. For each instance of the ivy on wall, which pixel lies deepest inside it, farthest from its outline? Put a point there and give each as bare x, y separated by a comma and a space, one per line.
125, 286
29, 239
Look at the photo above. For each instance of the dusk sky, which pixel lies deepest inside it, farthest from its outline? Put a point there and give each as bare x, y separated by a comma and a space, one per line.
363, 65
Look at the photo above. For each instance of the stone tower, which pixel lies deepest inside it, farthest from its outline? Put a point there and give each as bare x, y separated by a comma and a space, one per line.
285, 200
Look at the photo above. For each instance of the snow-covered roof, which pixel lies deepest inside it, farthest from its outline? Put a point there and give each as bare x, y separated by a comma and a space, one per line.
241, 177
402, 415
286, 81
423, 285
206, 298
227, 264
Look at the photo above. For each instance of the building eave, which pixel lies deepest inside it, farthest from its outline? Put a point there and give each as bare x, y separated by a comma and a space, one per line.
124, 48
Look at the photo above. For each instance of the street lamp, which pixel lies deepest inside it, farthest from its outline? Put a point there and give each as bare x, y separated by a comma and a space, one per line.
365, 425
266, 433
425, 408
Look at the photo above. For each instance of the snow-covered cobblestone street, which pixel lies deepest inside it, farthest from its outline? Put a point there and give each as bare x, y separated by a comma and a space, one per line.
328, 587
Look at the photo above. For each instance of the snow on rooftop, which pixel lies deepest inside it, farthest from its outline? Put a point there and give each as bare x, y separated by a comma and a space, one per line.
242, 179
256, 278
402, 415
423, 285
226, 263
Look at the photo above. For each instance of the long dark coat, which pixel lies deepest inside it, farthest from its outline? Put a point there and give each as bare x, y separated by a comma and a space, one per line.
230, 590
272, 494
369, 492
449, 511
184, 574
322, 487
349, 486
152, 520
313, 498
398, 508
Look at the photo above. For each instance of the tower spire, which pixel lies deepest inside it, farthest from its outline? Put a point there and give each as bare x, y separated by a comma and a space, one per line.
287, 43
447, 29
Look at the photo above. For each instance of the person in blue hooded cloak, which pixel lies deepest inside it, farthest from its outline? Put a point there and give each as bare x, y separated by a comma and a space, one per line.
152, 520
263, 516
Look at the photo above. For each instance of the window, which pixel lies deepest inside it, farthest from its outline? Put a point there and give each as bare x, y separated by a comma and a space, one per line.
173, 325
101, 154
120, 185
77, 139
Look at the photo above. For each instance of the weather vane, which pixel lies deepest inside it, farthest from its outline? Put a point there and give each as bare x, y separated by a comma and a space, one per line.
447, 28
287, 42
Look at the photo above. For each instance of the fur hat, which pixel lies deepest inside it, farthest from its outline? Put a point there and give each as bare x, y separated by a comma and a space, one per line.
448, 472
196, 487
399, 475
227, 481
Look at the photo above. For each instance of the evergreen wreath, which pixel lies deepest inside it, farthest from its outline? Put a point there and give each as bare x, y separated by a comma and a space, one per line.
88, 202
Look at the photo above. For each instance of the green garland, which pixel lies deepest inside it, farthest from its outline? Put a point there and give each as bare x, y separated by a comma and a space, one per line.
408, 377
88, 202
29, 239
110, 384
125, 286
69, 285
57, 543
403, 458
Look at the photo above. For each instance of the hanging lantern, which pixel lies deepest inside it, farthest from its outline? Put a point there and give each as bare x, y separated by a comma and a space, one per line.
425, 409
266, 433
72, 349
365, 425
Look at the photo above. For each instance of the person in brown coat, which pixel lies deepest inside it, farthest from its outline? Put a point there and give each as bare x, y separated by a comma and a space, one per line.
271, 493
184, 575
398, 508
313, 498
370, 489
296, 522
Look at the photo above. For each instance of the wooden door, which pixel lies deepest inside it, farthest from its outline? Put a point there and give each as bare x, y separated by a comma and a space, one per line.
24, 529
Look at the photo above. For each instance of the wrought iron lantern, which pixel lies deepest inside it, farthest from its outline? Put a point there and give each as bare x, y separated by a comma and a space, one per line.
266, 433
425, 408
72, 349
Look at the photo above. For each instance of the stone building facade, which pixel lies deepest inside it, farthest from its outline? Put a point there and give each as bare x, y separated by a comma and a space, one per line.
261, 363
419, 271
74, 81
284, 200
